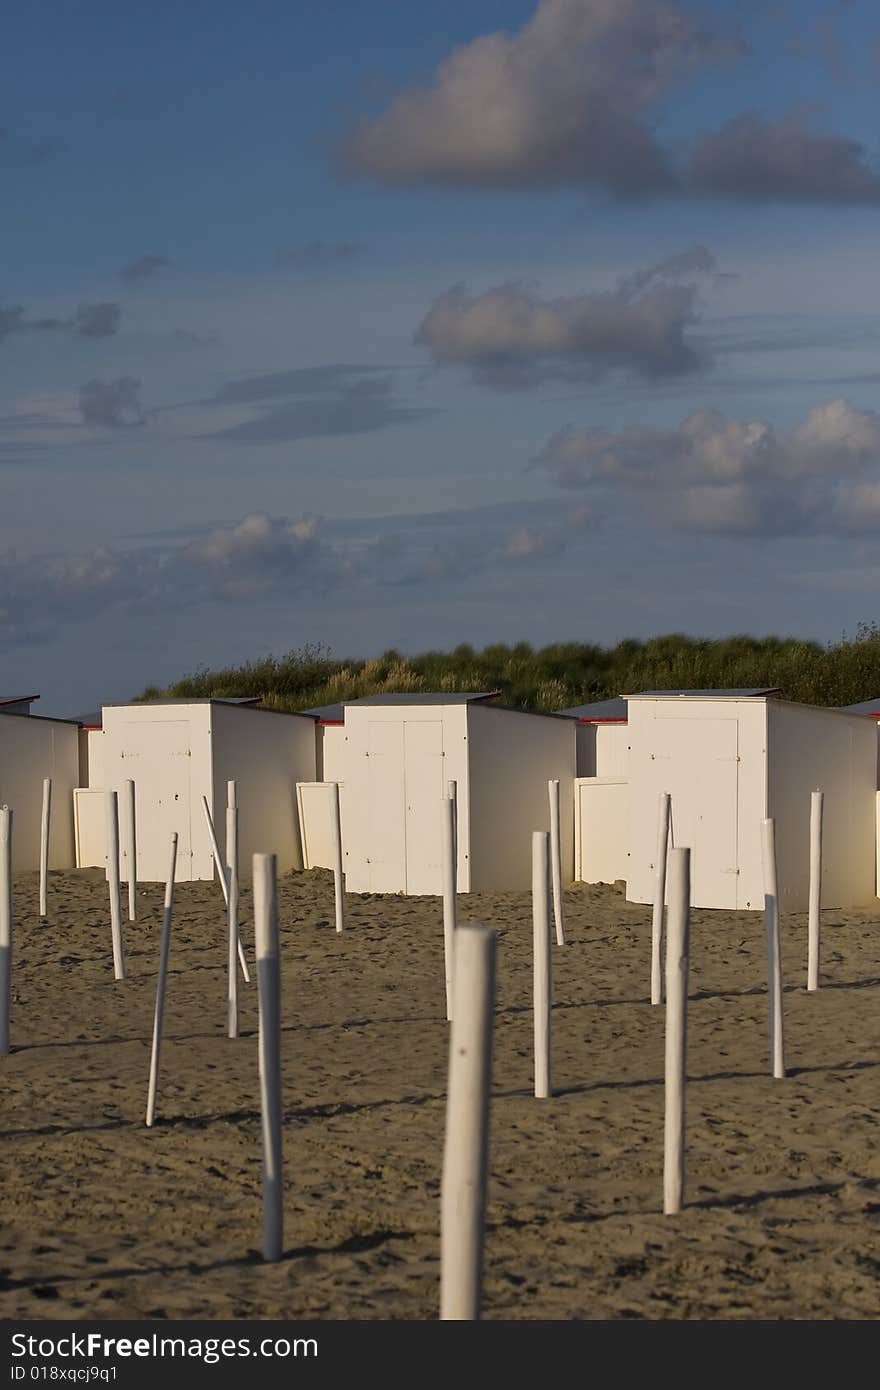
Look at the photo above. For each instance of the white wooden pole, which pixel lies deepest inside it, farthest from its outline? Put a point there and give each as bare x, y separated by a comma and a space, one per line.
677, 952
774, 948
5, 926
269, 985
659, 899
452, 793
218, 860
543, 967
338, 871
450, 906
44, 847
112, 815
128, 803
160, 982
233, 942
877, 844
815, 919
556, 858
224, 881
466, 1150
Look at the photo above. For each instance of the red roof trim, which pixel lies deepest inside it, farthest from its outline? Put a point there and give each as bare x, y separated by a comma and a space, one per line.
586, 719
334, 723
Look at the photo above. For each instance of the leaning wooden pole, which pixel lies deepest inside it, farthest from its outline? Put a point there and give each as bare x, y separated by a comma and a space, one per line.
224, 880
215, 850
269, 986
677, 952
466, 1149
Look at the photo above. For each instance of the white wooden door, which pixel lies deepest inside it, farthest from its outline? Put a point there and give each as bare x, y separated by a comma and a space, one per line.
696, 761
156, 754
386, 803
425, 788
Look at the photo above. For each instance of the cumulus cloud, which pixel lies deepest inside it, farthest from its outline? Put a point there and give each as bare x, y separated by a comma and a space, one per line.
753, 159
111, 403
456, 545
142, 268
566, 99
574, 98
277, 558
718, 475
318, 253
256, 556
511, 337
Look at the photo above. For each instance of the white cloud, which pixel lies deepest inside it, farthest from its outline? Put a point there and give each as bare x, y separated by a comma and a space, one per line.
574, 96
753, 159
563, 100
510, 337
719, 475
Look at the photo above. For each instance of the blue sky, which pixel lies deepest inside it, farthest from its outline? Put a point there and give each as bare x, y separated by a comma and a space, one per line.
414, 325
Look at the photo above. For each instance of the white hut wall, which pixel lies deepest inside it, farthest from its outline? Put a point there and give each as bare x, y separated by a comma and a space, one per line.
512, 756
819, 749
32, 748
266, 753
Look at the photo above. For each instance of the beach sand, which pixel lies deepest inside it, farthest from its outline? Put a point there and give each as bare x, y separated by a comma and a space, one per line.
105, 1218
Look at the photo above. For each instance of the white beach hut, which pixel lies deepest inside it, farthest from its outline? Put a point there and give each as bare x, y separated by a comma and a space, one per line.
17, 704
32, 748
869, 709
600, 790
401, 751
602, 737
730, 759
315, 800
178, 751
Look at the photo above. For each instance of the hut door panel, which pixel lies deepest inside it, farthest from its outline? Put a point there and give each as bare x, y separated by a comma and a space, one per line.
386, 808
696, 761
425, 789
157, 757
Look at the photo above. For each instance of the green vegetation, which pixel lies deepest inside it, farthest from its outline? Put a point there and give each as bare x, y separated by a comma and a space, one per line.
566, 673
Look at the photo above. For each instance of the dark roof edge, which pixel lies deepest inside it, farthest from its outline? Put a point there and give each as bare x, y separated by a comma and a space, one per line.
43, 719
205, 700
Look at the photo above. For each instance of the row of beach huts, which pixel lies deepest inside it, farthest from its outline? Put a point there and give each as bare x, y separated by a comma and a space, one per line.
727, 759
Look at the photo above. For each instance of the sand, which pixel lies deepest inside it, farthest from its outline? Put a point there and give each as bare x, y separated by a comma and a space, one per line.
104, 1218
